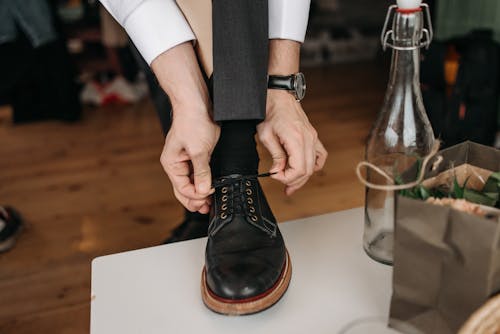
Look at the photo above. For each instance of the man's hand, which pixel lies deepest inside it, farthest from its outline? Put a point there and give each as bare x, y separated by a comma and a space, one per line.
291, 140
286, 131
193, 134
186, 157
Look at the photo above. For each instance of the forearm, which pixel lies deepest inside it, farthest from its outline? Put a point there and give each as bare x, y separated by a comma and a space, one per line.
180, 77
284, 57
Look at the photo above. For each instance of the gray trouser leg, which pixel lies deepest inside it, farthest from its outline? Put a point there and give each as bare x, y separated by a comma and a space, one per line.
240, 47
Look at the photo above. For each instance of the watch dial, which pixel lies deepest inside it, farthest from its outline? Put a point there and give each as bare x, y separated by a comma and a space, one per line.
300, 86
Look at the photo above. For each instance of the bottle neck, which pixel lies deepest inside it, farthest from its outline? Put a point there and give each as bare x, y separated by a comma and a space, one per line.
405, 67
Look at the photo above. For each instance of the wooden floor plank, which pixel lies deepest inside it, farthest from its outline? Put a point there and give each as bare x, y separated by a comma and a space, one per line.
96, 187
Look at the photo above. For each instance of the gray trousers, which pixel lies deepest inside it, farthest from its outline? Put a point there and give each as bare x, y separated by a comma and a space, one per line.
240, 50
238, 85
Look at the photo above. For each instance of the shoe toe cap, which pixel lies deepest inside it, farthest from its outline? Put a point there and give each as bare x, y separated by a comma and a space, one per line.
242, 279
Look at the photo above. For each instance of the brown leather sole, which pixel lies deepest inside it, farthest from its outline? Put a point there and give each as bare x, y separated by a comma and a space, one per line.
250, 305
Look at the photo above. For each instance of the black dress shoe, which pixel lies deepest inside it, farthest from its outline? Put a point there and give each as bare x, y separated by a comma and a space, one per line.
247, 268
11, 225
195, 225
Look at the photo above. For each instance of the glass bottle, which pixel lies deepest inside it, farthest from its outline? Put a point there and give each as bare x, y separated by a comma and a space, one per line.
402, 133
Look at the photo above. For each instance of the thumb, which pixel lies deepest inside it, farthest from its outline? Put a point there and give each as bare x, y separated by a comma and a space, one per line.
202, 174
277, 152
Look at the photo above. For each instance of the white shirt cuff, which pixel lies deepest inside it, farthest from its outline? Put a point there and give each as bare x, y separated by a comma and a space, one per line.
288, 19
156, 26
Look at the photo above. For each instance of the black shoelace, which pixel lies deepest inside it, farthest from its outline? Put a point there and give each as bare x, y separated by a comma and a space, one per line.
227, 180
240, 200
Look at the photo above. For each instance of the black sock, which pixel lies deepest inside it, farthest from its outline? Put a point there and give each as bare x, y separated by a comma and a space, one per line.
236, 150
194, 216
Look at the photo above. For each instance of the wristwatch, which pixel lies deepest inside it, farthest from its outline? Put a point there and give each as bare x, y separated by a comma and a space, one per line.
295, 84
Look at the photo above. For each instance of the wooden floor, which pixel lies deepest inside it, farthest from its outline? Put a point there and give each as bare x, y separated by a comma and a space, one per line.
97, 187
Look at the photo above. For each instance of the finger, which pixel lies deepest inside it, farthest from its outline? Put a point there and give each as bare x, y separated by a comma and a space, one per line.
293, 187
295, 148
176, 165
204, 209
298, 183
310, 153
191, 205
202, 174
278, 154
290, 189
321, 155
195, 205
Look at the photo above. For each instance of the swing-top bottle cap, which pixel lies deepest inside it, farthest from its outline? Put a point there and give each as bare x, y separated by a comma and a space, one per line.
411, 26
408, 5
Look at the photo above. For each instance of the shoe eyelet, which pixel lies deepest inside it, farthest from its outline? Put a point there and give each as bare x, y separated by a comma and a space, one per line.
224, 198
224, 190
251, 209
253, 218
223, 215
249, 200
248, 183
224, 206
249, 191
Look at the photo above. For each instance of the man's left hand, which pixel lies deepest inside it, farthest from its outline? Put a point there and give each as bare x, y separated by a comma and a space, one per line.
291, 140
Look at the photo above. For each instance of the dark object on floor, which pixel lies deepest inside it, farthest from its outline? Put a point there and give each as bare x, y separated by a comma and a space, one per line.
468, 109
432, 77
38, 82
11, 224
247, 268
195, 225
38, 78
472, 111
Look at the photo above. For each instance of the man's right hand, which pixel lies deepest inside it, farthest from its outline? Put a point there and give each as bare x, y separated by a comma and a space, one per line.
186, 157
193, 134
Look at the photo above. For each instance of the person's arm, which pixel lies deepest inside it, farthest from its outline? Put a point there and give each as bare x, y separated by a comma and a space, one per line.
286, 131
163, 37
153, 25
193, 134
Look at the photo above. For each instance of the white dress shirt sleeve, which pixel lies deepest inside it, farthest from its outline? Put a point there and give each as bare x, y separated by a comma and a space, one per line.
158, 25
153, 25
288, 19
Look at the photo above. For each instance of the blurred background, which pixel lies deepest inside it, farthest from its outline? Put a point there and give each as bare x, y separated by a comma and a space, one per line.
82, 121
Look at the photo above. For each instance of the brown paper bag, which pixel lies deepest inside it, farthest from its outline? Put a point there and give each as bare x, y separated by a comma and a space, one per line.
446, 262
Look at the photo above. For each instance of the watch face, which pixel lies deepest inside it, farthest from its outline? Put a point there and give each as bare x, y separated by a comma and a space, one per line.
300, 86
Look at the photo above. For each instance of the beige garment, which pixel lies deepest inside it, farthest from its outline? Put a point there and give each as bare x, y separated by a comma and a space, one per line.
113, 35
198, 13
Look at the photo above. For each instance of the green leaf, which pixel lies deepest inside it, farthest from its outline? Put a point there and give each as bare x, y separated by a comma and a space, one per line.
474, 196
424, 193
398, 179
440, 193
493, 183
458, 192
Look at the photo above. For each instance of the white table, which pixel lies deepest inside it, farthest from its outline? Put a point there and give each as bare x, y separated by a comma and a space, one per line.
157, 290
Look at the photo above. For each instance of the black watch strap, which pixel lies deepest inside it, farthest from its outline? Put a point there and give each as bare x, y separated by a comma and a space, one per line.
284, 82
